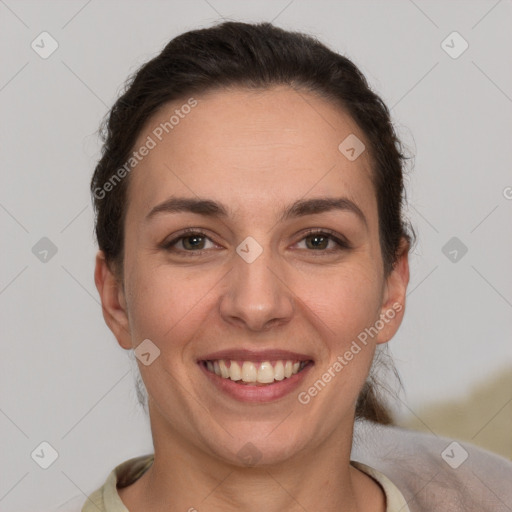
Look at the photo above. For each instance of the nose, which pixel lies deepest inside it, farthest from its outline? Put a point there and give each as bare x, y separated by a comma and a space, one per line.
257, 296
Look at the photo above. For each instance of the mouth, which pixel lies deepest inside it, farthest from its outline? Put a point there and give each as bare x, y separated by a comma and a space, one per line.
256, 373
251, 376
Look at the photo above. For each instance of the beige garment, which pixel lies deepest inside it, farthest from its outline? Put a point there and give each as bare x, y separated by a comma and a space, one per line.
106, 498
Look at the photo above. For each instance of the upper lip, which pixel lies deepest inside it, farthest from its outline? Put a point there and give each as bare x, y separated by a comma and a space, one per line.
255, 355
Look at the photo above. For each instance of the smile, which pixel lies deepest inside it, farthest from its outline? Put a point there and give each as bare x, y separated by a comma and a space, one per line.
257, 373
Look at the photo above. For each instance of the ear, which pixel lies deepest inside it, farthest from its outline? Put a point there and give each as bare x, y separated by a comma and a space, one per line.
113, 302
395, 288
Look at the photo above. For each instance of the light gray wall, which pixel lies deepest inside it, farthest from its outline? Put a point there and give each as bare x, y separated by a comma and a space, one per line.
64, 380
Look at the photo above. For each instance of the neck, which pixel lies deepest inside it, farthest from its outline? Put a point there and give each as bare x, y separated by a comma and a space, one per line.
184, 477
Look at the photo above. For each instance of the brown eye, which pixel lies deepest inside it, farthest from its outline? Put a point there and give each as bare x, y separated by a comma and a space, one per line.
193, 242
317, 240
190, 242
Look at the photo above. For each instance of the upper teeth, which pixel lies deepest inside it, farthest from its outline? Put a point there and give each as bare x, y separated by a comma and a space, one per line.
264, 372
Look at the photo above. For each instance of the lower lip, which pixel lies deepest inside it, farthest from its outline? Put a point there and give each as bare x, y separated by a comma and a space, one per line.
248, 393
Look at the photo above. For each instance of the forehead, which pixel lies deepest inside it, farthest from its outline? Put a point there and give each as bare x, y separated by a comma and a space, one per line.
246, 147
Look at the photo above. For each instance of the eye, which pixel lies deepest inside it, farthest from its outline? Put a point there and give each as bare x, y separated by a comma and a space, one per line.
318, 240
191, 241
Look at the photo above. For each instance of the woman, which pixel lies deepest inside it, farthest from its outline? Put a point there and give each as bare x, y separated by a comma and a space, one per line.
254, 256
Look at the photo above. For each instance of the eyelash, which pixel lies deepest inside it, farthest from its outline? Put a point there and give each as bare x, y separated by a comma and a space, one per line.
330, 235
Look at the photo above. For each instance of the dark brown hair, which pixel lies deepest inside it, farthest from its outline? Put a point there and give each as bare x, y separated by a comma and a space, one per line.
254, 56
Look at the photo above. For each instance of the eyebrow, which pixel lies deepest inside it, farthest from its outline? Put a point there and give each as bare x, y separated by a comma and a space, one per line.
299, 208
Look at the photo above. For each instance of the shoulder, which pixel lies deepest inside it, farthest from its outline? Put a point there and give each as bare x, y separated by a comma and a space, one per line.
433, 471
106, 497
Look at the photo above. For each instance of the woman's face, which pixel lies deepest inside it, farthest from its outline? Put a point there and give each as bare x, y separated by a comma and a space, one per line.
252, 278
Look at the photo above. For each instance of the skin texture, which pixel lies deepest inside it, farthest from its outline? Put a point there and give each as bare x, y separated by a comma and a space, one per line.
256, 152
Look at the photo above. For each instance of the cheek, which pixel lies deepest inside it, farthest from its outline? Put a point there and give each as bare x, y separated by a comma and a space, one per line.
168, 304
345, 299
348, 304
345, 305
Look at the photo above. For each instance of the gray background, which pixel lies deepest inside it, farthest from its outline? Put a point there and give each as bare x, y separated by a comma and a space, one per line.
64, 379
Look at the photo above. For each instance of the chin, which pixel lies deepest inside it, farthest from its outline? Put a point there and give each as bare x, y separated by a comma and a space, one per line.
246, 449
